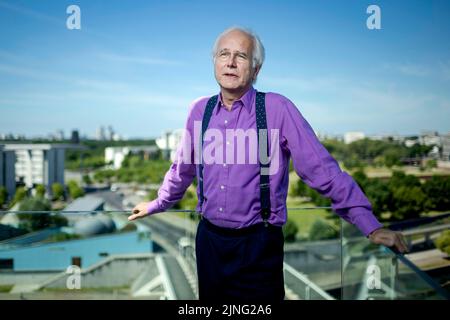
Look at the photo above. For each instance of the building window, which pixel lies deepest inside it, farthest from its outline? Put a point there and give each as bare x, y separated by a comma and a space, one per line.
6, 264
76, 261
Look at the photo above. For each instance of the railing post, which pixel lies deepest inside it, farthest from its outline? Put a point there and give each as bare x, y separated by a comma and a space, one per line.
393, 274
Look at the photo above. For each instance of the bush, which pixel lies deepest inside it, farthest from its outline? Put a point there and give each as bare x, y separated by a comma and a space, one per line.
57, 191
409, 202
20, 194
75, 191
290, 230
35, 204
40, 191
437, 191
87, 179
189, 201
321, 230
37, 221
3, 195
443, 242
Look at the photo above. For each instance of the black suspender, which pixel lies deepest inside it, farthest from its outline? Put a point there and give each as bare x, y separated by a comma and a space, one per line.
261, 125
205, 122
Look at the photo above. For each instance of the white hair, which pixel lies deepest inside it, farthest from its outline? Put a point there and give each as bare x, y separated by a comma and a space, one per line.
258, 52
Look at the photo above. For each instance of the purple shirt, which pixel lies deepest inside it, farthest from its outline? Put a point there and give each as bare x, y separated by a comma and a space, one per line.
231, 188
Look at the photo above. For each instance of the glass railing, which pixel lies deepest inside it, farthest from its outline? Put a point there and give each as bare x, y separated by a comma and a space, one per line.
82, 255
376, 272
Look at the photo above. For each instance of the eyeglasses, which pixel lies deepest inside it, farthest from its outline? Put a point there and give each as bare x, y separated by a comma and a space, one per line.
225, 55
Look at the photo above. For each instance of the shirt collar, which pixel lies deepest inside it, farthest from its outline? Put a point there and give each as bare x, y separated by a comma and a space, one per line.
247, 100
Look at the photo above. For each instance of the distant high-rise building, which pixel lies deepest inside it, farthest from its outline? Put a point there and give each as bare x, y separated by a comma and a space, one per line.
110, 133
75, 137
100, 133
60, 135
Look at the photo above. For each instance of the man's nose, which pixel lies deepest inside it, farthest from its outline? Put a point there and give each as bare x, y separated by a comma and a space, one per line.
231, 61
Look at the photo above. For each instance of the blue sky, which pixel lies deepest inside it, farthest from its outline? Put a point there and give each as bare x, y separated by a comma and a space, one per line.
137, 65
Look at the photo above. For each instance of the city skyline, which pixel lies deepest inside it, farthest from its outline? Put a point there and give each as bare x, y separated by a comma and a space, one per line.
138, 66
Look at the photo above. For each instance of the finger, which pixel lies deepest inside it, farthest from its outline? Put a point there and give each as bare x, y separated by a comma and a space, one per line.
134, 216
400, 245
404, 243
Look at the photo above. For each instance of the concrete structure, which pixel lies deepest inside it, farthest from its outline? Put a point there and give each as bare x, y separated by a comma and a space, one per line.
39, 163
429, 138
169, 141
446, 147
58, 256
116, 155
350, 137
7, 171
87, 203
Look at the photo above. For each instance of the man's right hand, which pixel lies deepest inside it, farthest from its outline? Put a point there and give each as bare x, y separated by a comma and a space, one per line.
139, 211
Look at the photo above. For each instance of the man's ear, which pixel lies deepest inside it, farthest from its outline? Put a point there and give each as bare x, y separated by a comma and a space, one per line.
257, 68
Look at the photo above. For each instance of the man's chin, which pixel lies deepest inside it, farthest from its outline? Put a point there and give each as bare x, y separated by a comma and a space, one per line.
231, 88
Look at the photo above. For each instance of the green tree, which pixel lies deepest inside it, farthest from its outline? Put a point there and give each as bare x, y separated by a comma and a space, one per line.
87, 179
189, 201
321, 230
379, 195
57, 191
392, 157
443, 242
290, 230
361, 178
75, 191
409, 202
40, 190
298, 189
437, 191
38, 220
20, 194
431, 164
3, 196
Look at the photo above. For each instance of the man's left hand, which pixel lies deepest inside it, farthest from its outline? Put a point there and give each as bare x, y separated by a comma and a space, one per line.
389, 238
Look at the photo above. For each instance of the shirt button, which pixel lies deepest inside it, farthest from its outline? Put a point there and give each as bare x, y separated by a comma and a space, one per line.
220, 209
226, 121
228, 142
224, 164
222, 187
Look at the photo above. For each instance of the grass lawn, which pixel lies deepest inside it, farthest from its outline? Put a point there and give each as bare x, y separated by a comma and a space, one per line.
304, 219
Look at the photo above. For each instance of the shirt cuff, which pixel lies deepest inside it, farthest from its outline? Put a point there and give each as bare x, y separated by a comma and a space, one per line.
153, 207
367, 223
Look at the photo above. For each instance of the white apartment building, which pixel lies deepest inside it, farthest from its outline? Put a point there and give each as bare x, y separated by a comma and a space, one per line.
116, 155
38, 163
350, 137
169, 141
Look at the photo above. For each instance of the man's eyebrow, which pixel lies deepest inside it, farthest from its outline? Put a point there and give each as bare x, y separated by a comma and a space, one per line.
236, 51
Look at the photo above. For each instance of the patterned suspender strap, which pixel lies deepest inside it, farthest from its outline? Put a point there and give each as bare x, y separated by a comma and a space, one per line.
205, 122
264, 185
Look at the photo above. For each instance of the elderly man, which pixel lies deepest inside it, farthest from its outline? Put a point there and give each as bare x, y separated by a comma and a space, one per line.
239, 241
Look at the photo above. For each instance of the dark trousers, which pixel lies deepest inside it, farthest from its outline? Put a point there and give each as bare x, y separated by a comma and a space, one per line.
240, 264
